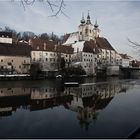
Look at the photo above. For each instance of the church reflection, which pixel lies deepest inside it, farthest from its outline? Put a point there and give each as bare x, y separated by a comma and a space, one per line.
90, 99
86, 101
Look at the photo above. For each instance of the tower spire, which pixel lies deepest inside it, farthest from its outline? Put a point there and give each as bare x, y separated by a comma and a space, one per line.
96, 24
82, 20
88, 18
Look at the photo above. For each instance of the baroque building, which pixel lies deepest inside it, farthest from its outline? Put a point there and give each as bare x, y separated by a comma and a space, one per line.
86, 42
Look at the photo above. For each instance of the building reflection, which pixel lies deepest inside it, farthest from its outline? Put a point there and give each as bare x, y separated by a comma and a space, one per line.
90, 99
87, 100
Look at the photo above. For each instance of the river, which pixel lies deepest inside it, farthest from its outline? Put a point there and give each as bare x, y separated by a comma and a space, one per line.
108, 108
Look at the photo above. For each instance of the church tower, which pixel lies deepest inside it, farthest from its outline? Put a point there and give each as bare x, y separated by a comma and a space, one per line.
86, 29
81, 29
96, 30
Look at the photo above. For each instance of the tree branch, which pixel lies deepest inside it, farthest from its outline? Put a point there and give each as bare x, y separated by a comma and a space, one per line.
133, 44
56, 7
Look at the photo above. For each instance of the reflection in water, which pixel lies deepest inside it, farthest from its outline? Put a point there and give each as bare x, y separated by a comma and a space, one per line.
87, 100
90, 99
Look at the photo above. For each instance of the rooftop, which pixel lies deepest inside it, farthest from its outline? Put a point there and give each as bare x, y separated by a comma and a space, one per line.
19, 49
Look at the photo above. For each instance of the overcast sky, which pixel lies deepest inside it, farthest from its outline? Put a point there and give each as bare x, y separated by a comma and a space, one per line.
117, 19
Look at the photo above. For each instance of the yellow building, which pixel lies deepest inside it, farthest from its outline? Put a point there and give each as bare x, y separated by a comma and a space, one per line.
14, 58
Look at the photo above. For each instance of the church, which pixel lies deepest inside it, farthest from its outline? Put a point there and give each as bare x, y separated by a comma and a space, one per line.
90, 49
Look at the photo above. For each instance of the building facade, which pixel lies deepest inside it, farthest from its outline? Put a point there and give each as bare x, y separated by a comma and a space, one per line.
49, 55
101, 51
14, 59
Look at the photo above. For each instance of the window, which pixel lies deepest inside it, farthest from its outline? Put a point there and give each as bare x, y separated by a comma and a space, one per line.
20, 67
46, 59
86, 31
9, 63
1, 60
80, 33
12, 60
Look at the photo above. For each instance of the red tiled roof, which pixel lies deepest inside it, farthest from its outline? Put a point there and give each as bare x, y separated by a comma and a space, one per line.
20, 49
104, 44
90, 46
45, 45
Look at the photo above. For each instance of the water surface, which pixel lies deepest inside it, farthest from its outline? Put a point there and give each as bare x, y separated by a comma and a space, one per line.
46, 109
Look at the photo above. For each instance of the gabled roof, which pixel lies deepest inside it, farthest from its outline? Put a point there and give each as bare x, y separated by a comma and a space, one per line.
45, 45
20, 49
90, 46
103, 43
73, 38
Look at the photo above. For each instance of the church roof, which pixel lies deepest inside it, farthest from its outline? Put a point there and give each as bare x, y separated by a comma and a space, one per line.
90, 46
73, 38
103, 43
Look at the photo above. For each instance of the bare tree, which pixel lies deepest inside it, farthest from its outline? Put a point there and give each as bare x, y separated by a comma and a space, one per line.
134, 45
56, 6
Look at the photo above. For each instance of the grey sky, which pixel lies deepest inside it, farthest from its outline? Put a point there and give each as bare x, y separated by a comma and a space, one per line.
117, 19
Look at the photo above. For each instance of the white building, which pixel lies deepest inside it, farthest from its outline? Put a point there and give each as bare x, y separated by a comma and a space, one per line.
6, 37
126, 60
100, 52
49, 55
